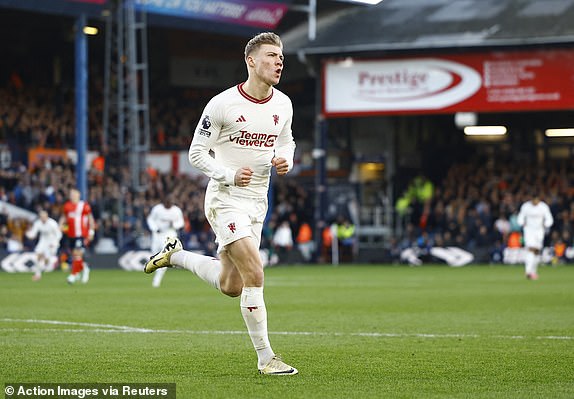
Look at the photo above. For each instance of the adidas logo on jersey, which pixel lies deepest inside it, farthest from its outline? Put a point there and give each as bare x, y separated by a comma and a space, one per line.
241, 119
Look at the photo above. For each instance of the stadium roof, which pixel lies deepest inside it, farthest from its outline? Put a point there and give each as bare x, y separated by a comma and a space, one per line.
193, 14
398, 25
164, 13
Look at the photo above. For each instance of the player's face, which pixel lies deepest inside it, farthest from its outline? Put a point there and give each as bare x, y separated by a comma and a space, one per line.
268, 63
74, 196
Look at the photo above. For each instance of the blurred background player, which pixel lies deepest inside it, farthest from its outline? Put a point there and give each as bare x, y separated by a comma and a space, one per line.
78, 223
164, 220
534, 217
49, 233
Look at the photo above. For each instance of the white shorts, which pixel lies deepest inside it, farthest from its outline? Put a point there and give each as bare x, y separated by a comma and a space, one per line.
46, 249
233, 217
533, 238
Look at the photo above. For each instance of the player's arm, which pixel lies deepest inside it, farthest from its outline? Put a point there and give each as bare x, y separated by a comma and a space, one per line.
56, 233
91, 226
548, 218
32, 232
151, 220
62, 222
204, 138
284, 149
521, 218
179, 221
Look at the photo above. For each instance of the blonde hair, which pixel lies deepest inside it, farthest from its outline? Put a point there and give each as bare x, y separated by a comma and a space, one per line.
262, 38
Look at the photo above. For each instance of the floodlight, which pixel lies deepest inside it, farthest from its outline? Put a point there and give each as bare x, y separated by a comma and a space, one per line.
559, 132
90, 30
485, 130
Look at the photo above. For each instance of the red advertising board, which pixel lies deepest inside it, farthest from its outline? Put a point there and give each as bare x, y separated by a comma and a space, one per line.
480, 82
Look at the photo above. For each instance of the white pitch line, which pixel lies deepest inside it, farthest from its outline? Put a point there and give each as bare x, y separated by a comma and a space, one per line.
74, 323
67, 330
111, 328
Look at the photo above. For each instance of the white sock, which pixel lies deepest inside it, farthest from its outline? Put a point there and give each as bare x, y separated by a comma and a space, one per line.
205, 267
158, 277
85, 273
530, 262
255, 316
534, 265
527, 261
39, 267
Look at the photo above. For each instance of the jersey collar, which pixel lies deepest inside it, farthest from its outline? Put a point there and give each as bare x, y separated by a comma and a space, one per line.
253, 99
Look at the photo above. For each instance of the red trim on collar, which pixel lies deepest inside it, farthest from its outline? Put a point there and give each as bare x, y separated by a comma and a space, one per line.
253, 99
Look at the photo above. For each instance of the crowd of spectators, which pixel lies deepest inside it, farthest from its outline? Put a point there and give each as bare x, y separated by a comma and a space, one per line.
120, 213
475, 207
44, 117
32, 117
472, 207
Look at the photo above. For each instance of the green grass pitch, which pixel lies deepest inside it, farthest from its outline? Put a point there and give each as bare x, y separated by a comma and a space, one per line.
352, 331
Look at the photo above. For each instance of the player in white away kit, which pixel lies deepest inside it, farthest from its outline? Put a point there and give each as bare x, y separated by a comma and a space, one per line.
49, 233
164, 220
534, 217
248, 128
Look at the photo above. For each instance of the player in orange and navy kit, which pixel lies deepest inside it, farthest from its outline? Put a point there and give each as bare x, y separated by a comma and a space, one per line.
77, 223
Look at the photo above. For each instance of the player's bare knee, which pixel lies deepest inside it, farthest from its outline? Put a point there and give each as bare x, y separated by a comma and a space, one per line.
231, 290
234, 293
253, 278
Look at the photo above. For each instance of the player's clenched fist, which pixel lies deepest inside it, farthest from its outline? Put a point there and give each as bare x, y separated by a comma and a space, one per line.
281, 165
243, 176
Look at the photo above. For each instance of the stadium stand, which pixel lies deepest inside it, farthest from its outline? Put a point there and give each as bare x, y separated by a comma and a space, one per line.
472, 204
470, 207
475, 205
44, 185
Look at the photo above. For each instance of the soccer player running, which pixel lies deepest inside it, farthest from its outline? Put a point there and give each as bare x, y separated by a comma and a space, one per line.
534, 217
77, 222
46, 249
248, 128
164, 221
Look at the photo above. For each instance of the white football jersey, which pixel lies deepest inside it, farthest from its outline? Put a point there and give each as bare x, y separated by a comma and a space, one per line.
243, 132
165, 220
535, 217
49, 232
